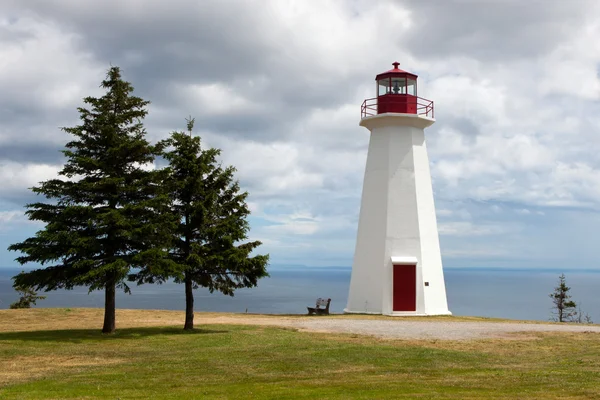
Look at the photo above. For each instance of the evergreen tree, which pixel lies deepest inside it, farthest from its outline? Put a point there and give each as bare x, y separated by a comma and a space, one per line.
106, 216
27, 297
211, 210
564, 308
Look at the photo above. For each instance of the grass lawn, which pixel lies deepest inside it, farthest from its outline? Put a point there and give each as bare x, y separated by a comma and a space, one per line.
61, 354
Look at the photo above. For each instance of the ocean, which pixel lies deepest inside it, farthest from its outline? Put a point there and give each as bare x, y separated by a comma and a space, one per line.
514, 294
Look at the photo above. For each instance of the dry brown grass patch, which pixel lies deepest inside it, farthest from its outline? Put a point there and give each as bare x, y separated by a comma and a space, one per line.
25, 368
42, 319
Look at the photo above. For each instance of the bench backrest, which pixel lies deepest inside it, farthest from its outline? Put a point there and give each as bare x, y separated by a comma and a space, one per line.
322, 302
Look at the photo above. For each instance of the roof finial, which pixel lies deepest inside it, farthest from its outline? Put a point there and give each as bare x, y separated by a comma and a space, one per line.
395, 64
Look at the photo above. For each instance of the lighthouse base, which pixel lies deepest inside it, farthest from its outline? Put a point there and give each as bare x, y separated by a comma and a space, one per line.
397, 313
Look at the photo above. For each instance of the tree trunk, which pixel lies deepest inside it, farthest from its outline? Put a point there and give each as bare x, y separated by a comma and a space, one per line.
189, 304
560, 308
560, 314
109, 307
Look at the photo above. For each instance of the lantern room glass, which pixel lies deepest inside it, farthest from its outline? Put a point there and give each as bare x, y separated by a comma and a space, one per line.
412, 87
383, 87
398, 85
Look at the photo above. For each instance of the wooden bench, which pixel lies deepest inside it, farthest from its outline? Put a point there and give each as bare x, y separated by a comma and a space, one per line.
317, 309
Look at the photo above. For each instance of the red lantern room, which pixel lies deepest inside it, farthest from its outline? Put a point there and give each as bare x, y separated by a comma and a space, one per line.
397, 93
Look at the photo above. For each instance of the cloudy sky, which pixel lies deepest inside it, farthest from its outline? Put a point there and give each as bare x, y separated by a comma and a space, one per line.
277, 85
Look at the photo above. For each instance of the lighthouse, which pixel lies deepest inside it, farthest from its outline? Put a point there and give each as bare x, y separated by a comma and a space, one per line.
397, 268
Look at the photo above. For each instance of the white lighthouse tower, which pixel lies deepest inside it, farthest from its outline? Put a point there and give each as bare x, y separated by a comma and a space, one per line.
397, 266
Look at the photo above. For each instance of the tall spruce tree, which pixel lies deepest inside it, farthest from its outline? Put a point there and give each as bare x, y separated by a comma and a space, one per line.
211, 210
106, 216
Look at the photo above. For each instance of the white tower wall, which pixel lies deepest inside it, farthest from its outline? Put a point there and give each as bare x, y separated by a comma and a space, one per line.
397, 223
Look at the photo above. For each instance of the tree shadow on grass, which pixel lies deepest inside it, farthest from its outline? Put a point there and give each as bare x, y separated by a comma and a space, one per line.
80, 335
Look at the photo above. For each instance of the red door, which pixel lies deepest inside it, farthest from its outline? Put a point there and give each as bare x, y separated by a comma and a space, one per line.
405, 288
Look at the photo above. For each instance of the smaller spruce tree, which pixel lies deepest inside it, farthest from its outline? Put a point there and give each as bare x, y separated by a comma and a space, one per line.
209, 247
564, 309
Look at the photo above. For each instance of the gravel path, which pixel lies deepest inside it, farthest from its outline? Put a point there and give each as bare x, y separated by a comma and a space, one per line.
446, 330
407, 329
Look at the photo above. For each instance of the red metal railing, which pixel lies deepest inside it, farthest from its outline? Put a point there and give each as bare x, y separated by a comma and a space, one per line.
422, 106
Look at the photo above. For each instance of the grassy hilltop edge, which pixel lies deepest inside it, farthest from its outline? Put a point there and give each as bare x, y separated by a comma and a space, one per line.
60, 353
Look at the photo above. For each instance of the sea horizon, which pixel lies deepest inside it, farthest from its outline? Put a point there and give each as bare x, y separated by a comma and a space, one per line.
521, 294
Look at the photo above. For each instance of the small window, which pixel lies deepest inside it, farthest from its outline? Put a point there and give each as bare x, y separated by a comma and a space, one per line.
383, 87
412, 87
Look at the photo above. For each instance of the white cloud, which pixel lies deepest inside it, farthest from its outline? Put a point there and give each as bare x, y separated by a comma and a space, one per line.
572, 67
476, 252
17, 178
273, 168
7, 216
216, 98
43, 64
12, 220
277, 86
293, 227
466, 228
443, 212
